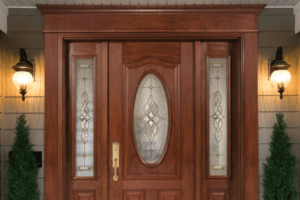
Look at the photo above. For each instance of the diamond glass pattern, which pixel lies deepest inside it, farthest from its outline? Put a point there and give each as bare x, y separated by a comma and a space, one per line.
218, 116
84, 117
151, 119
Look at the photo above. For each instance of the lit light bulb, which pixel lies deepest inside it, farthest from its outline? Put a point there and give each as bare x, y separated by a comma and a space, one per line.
280, 78
23, 81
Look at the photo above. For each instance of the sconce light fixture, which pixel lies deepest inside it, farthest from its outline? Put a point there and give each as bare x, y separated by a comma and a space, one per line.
279, 75
23, 77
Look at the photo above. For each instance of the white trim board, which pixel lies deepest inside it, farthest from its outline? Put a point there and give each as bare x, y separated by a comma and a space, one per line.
3, 17
297, 17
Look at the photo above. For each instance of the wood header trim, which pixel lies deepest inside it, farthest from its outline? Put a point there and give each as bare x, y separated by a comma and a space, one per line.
251, 9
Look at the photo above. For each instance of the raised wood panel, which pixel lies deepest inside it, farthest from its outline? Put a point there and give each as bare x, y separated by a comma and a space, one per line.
138, 51
268, 119
84, 195
134, 195
218, 194
169, 195
168, 73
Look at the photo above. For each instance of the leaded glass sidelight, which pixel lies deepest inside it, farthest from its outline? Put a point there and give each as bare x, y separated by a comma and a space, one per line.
151, 119
218, 155
84, 105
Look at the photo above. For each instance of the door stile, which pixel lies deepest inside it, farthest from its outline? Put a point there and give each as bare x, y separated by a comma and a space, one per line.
187, 121
103, 137
115, 115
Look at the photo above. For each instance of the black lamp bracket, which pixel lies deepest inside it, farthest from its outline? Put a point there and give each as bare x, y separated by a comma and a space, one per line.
24, 64
278, 63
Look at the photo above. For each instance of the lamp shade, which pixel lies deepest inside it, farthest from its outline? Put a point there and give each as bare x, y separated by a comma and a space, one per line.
22, 80
280, 78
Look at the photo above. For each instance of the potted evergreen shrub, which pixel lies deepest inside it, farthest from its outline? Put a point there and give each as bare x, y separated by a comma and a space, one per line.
280, 170
22, 169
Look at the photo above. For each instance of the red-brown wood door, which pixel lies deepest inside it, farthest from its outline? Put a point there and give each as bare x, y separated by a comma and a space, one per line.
173, 109
151, 117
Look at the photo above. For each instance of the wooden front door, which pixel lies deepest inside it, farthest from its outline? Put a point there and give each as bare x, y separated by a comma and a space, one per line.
151, 117
174, 86
153, 120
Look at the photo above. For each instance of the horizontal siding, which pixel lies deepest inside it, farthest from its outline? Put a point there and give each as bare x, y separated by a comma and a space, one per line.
277, 29
25, 31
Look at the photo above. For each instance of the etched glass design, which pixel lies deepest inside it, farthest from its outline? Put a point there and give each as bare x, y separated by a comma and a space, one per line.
84, 117
217, 116
151, 119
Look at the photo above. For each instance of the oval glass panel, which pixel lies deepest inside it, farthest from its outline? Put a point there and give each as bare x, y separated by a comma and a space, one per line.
151, 119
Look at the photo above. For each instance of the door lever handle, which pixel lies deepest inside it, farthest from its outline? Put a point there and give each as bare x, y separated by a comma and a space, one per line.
115, 159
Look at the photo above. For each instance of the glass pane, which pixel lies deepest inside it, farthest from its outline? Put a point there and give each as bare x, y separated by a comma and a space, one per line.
84, 117
151, 119
217, 116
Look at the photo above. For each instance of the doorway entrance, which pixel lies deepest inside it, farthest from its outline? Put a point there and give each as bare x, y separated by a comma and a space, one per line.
151, 102
134, 133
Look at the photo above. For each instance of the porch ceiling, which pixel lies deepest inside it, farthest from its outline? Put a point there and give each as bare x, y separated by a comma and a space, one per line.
33, 3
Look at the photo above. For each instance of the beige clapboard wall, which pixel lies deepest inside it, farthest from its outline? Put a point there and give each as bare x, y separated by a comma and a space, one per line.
25, 28
276, 28
25, 31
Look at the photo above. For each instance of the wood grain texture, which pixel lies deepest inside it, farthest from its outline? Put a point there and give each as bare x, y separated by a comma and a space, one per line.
134, 195
189, 18
216, 194
84, 195
164, 24
51, 109
249, 117
169, 195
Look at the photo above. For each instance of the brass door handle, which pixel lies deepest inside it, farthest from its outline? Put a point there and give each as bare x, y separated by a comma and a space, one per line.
115, 159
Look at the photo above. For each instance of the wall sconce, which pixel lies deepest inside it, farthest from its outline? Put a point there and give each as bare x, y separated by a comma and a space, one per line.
23, 77
279, 75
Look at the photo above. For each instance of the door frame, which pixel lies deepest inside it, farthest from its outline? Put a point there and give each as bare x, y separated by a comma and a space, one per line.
205, 22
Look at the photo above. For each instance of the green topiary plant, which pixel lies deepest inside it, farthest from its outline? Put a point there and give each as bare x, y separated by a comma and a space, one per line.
22, 169
280, 170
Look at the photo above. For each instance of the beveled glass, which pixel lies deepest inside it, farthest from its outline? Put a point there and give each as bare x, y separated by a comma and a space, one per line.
151, 119
218, 117
84, 105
